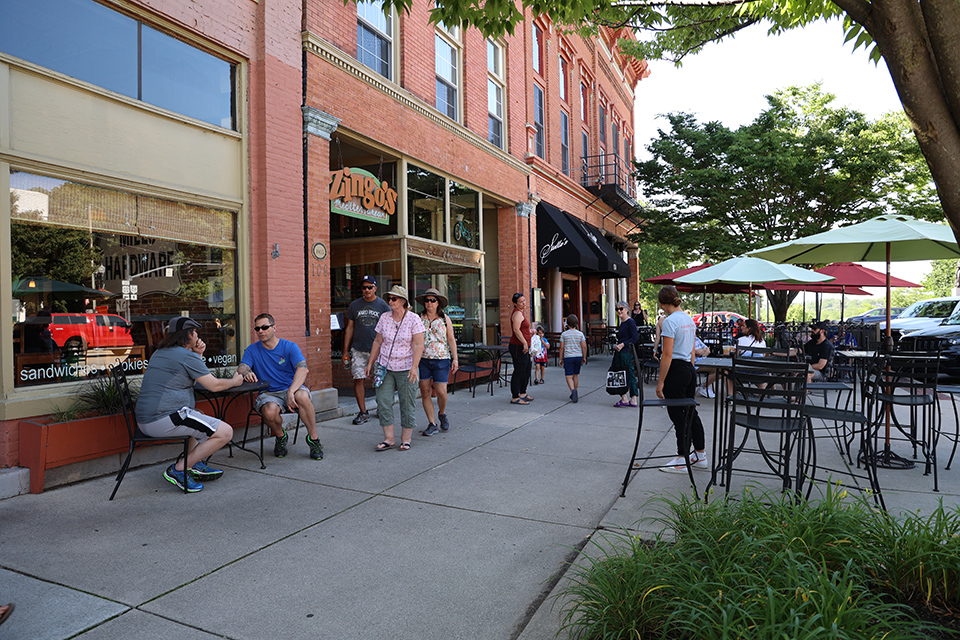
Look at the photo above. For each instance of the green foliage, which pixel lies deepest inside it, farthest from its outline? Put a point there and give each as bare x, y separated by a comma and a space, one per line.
97, 397
801, 167
942, 278
769, 566
52, 252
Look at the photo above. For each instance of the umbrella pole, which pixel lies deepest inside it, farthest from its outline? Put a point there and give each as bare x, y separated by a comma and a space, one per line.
887, 459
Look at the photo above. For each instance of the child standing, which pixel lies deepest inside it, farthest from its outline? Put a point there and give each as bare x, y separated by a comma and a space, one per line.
573, 350
540, 350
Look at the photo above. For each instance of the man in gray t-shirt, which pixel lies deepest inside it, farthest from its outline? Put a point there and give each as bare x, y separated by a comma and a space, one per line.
361, 329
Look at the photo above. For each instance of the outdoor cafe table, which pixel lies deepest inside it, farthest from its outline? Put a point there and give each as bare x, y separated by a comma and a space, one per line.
220, 402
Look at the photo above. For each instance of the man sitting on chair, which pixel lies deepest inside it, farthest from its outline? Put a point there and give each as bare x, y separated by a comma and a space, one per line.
282, 364
819, 352
165, 407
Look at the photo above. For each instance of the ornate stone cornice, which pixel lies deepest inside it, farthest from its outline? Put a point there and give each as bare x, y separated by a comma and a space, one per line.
319, 123
324, 50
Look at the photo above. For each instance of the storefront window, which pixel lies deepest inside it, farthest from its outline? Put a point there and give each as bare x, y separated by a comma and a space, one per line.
360, 225
98, 273
465, 216
425, 204
461, 285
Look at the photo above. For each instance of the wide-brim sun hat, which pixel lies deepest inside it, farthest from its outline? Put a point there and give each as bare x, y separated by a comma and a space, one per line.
431, 292
397, 291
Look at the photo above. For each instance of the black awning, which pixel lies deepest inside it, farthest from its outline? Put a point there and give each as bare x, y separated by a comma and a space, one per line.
561, 244
611, 263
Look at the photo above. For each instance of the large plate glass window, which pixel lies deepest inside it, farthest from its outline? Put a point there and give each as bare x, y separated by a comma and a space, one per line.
426, 204
97, 273
464, 216
92, 43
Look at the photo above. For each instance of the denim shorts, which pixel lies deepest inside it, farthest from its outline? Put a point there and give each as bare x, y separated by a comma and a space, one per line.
571, 366
438, 370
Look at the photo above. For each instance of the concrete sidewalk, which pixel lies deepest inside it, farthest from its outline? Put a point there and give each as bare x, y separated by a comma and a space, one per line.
464, 536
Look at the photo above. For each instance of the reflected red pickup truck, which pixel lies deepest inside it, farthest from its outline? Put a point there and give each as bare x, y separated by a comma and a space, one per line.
84, 331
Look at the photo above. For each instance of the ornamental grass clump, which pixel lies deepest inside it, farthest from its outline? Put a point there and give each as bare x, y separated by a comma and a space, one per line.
769, 566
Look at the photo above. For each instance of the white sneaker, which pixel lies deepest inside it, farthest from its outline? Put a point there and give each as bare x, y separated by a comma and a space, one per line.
677, 465
707, 392
699, 461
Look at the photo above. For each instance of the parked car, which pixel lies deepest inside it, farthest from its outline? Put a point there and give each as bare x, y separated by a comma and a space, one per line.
722, 316
945, 336
876, 315
82, 331
925, 314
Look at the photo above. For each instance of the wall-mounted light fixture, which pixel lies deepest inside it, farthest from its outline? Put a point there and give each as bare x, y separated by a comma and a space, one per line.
276, 251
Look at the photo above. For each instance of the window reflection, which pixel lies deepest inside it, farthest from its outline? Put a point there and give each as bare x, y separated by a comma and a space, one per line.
425, 204
462, 287
90, 292
465, 216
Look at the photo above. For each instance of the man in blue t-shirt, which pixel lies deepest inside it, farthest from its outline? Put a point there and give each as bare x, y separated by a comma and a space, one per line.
282, 364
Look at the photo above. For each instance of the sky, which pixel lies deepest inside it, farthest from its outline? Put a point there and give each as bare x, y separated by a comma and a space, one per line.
728, 82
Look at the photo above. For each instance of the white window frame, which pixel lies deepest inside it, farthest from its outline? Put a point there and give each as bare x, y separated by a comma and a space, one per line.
496, 80
388, 35
451, 37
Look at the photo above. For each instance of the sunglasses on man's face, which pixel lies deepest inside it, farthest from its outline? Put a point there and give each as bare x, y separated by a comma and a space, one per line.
368, 287
262, 327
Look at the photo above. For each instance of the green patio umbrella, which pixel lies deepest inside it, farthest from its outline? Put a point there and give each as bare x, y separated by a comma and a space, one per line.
40, 284
891, 237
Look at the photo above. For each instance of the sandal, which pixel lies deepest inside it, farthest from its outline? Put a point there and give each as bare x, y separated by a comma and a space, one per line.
519, 401
7, 610
404, 446
527, 398
383, 446
621, 403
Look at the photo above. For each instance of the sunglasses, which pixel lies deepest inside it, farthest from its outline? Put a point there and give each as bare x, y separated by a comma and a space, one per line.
366, 287
392, 298
262, 328
429, 299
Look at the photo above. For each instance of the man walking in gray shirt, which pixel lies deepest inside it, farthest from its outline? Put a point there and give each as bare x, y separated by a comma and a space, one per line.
362, 318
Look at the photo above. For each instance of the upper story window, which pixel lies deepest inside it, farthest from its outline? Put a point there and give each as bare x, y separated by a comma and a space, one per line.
564, 78
448, 71
584, 101
496, 90
615, 138
565, 143
95, 44
603, 124
537, 49
538, 121
627, 153
375, 37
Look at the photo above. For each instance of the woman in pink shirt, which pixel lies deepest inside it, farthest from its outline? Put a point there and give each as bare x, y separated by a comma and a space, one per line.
398, 346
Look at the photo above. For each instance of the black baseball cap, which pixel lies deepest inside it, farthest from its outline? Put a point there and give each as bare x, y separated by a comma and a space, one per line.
369, 279
819, 325
182, 324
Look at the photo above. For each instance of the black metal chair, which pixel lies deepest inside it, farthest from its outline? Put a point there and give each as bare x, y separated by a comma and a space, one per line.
910, 381
848, 425
263, 430
637, 462
137, 437
469, 364
767, 402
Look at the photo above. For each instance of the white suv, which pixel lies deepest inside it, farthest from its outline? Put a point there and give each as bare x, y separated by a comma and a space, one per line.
923, 315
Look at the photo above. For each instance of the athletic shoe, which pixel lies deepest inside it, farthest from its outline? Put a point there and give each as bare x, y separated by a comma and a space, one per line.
361, 417
699, 461
707, 392
444, 422
202, 471
574, 396
316, 449
179, 478
280, 445
430, 430
677, 465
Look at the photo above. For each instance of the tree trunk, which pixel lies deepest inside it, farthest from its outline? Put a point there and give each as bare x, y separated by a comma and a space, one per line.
924, 71
780, 301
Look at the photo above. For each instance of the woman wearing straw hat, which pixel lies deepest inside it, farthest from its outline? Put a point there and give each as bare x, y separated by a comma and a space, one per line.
398, 346
439, 359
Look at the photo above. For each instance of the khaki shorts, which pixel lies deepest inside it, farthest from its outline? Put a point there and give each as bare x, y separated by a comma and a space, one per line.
358, 363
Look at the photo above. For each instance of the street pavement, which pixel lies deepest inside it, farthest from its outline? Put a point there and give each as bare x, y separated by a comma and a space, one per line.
467, 535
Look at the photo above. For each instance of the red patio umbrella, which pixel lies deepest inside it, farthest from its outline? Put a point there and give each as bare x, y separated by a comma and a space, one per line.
717, 287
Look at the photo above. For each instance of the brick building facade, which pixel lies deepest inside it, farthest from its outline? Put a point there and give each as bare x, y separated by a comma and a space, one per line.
471, 151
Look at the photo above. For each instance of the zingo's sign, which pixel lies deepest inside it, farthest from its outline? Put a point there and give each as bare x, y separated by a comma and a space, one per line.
357, 193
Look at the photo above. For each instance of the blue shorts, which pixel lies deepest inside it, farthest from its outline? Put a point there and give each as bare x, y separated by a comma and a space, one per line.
438, 370
571, 366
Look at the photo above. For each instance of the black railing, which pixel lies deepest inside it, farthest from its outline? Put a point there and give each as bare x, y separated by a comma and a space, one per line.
608, 169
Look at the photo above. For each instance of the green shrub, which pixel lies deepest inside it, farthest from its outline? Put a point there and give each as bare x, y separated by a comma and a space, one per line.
769, 567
